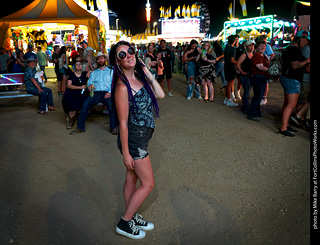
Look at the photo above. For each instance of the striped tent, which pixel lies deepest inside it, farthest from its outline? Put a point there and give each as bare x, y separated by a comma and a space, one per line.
139, 38
254, 32
243, 34
53, 11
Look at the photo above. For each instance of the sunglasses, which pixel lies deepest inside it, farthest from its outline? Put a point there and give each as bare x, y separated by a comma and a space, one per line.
122, 54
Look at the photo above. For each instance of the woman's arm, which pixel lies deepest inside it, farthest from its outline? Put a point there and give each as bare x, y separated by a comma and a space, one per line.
262, 67
89, 61
220, 57
64, 59
21, 63
188, 59
122, 105
239, 62
158, 91
298, 64
209, 61
198, 57
70, 86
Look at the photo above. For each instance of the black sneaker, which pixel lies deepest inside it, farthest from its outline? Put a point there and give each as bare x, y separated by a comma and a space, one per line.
292, 130
285, 133
129, 229
142, 224
296, 120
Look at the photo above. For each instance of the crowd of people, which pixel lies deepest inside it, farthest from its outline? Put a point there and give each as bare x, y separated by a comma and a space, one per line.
249, 63
84, 79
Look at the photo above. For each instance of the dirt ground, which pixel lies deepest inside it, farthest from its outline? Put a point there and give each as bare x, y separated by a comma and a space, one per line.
220, 178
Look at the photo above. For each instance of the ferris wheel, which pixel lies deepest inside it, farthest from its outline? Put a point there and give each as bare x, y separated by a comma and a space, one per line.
204, 17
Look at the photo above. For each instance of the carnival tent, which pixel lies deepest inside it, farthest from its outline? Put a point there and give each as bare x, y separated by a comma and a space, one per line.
140, 37
244, 34
254, 33
52, 11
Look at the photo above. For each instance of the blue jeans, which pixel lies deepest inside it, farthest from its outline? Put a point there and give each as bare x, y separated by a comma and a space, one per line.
191, 76
259, 85
45, 97
245, 81
220, 72
92, 101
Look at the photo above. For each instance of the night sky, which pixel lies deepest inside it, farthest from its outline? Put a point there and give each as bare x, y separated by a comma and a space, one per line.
131, 14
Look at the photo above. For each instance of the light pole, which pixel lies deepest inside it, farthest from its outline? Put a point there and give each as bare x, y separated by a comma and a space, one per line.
155, 28
117, 20
148, 14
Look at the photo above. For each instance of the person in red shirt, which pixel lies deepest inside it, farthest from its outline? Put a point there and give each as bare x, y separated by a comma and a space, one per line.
73, 52
259, 70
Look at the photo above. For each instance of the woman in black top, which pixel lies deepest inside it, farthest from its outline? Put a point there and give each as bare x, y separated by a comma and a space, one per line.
134, 97
75, 94
192, 56
292, 73
243, 65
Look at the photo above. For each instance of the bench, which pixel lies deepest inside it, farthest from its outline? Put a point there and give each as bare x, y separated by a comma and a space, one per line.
13, 79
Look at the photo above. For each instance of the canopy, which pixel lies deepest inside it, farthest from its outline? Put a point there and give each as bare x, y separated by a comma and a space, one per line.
52, 11
254, 33
243, 34
139, 37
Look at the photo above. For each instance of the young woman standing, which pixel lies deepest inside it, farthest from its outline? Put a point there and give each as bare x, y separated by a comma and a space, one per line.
292, 73
244, 66
191, 57
207, 71
259, 70
134, 93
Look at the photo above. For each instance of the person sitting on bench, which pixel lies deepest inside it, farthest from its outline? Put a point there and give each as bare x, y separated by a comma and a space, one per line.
99, 86
34, 87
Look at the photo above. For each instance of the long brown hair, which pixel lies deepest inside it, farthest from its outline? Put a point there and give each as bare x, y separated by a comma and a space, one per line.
118, 74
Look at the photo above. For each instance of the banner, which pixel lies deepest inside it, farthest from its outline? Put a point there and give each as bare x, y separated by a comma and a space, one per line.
230, 11
244, 7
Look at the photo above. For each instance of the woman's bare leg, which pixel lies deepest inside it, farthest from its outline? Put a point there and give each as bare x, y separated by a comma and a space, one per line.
143, 171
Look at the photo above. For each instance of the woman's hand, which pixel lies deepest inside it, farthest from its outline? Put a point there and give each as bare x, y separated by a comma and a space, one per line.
88, 74
128, 162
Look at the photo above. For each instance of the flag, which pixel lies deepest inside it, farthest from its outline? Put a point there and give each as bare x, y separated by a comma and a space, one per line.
244, 7
166, 13
161, 12
198, 10
183, 11
262, 7
177, 12
303, 3
194, 10
188, 11
230, 10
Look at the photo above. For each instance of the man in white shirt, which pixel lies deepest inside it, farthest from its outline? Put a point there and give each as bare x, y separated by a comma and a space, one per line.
99, 85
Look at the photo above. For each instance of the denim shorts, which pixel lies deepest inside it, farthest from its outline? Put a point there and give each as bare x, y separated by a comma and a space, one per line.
62, 71
138, 139
290, 86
